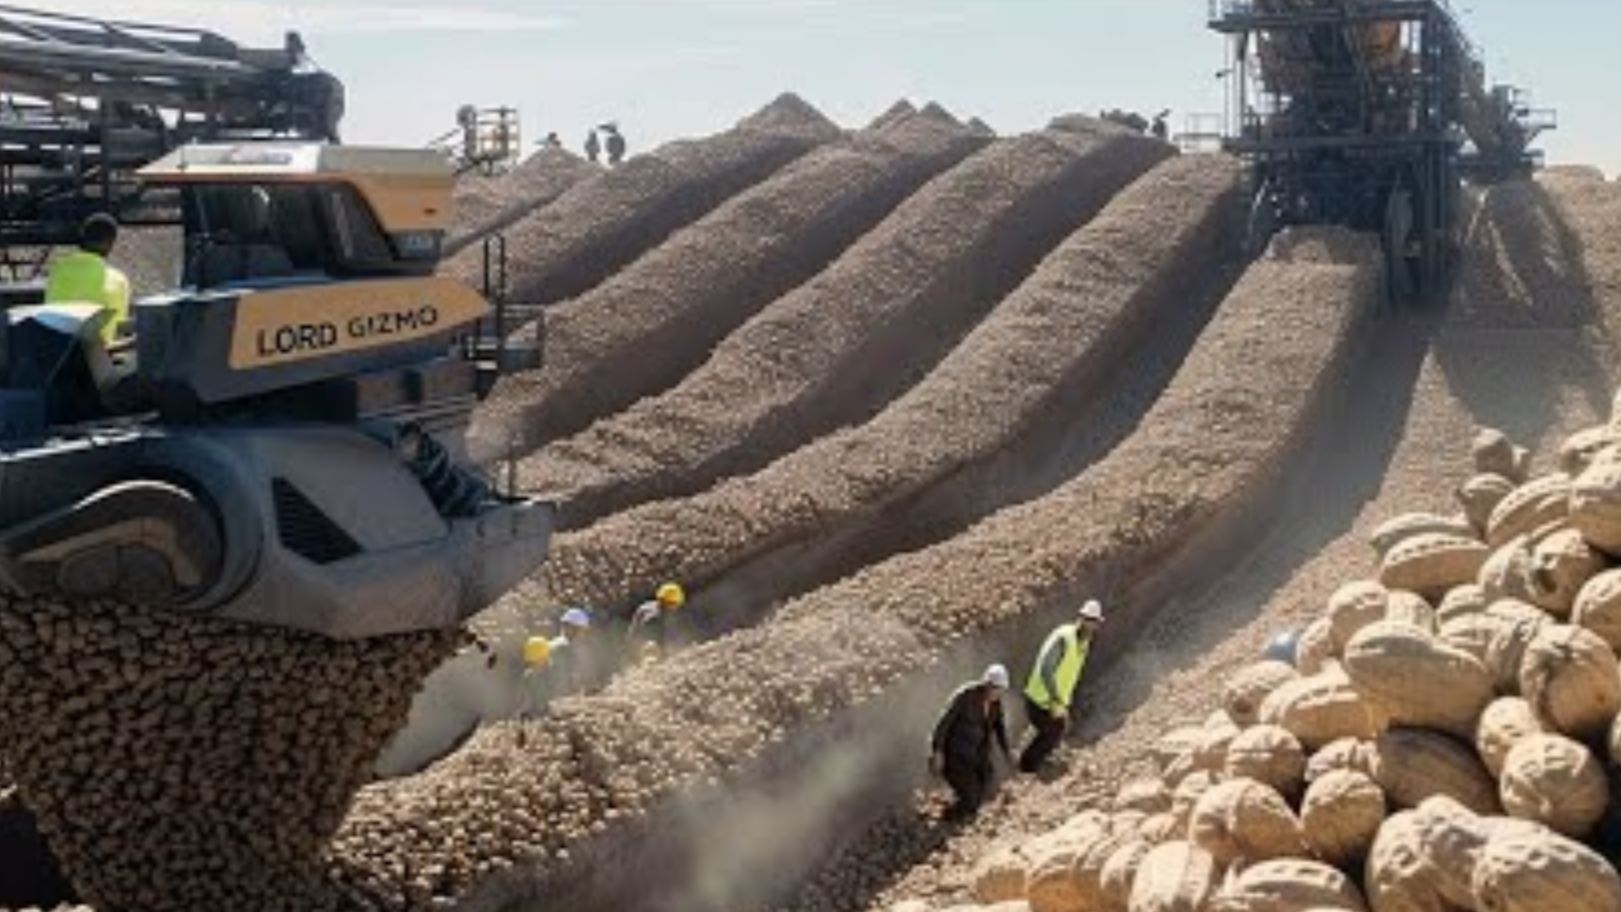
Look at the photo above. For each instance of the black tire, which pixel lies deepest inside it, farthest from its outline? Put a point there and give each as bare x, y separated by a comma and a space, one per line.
148, 541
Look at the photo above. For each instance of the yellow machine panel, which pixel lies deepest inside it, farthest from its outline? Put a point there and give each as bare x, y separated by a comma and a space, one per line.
406, 189
288, 325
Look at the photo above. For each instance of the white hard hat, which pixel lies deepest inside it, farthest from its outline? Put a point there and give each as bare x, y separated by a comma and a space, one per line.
576, 617
997, 676
1092, 611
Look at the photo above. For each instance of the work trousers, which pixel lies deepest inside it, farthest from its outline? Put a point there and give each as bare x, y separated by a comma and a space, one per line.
1049, 733
969, 781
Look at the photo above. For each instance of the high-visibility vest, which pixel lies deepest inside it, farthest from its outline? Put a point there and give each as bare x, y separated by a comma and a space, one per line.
1063, 657
82, 277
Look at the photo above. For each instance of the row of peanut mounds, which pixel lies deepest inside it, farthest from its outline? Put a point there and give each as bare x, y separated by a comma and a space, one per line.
1446, 739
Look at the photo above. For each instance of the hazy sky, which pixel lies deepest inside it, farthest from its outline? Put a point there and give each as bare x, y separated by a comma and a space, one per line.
671, 68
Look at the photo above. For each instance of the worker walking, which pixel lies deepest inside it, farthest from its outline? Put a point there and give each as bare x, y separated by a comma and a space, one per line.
1161, 129
554, 667
593, 147
1050, 690
616, 144
533, 685
85, 277
568, 663
960, 751
650, 625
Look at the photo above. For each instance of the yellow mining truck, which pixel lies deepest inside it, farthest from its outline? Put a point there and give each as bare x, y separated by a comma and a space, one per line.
281, 440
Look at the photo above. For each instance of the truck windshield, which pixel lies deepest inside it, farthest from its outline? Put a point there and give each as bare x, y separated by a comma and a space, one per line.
261, 233
249, 232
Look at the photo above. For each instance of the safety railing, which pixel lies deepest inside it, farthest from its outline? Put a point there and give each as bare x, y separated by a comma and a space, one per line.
1201, 133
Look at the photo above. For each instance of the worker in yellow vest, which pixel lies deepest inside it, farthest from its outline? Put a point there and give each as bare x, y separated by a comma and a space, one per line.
85, 277
1050, 690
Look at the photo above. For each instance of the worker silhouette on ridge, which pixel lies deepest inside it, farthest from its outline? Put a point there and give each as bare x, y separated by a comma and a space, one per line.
1050, 691
85, 277
616, 144
593, 147
960, 751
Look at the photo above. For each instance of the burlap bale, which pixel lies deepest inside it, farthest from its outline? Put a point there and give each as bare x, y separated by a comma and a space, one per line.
1398, 875
1545, 873
1315, 648
1323, 708
1340, 815
1120, 871
1413, 764
1562, 564
1175, 877
1433, 563
1460, 602
1417, 680
1533, 505
1399, 530
1598, 607
1556, 782
1595, 502
1580, 449
1505, 723
1268, 754
1149, 796
1290, 885
1242, 820
1480, 495
1248, 688
1348, 754
1572, 681
1352, 607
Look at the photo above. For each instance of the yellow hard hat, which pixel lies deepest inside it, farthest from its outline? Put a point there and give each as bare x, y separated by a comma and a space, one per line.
537, 651
671, 595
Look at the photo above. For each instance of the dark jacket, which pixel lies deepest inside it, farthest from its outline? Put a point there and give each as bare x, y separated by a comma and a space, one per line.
965, 730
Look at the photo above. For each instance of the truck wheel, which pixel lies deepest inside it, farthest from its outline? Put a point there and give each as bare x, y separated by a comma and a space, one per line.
150, 542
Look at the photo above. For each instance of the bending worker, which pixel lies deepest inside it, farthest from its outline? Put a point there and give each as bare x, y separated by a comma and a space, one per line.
960, 751
85, 277
567, 662
650, 625
1050, 691
552, 667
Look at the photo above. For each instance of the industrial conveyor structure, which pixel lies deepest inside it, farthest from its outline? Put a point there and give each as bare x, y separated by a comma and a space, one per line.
85, 102
1368, 113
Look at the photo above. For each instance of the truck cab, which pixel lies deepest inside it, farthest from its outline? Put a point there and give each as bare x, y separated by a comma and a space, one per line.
284, 441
